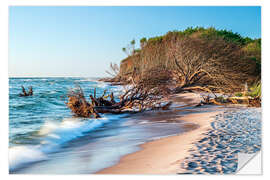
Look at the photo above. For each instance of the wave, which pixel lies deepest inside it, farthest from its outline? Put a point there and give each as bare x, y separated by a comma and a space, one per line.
24, 105
21, 155
85, 80
102, 85
70, 128
53, 136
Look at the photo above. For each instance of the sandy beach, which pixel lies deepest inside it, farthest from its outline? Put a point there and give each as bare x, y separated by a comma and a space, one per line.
216, 135
164, 156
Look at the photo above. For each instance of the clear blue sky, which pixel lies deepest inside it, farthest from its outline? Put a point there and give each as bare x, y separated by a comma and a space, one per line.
82, 41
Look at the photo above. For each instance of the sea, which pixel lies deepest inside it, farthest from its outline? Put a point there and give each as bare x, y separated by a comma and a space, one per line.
46, 138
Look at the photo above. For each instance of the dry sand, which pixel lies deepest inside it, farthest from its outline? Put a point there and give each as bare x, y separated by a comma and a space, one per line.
165, 155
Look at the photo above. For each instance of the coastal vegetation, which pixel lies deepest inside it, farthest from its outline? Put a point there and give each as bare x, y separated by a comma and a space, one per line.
216, 59
197, 59
204, 59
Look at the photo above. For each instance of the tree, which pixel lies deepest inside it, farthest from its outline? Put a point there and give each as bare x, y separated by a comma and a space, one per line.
114, 70
143, 42
132, 43
125, 51
213, 63
130, 48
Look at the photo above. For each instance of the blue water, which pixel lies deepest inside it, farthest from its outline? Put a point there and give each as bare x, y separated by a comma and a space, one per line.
44, 135
28, 114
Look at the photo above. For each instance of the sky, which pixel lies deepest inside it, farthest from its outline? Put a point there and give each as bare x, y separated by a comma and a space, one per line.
81, 41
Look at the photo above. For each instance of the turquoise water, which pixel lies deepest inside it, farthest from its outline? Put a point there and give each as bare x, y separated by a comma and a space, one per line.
44, 136
28, 114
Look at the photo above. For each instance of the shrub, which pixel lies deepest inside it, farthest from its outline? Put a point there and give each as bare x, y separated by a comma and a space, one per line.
255, 90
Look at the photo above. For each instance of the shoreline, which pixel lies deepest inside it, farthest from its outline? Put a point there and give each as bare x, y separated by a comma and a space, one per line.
164, 156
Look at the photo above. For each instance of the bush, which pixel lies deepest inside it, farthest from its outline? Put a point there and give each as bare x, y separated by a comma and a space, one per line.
208, 33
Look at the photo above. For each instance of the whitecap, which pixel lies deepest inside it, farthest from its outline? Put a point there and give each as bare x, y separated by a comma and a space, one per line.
21, 155
54, 135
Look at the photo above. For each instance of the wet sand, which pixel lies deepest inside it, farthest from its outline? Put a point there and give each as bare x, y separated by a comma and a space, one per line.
105, 146
165, 156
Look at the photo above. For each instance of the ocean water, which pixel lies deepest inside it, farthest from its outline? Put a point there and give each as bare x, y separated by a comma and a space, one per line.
45, 138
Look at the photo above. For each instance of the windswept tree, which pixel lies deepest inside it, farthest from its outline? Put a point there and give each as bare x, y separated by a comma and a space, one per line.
132, 43
213, 63
114, 70
125, 51
130, 48
217, 59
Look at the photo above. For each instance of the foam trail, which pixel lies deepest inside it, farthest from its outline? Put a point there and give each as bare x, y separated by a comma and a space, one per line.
54, 135
21, 155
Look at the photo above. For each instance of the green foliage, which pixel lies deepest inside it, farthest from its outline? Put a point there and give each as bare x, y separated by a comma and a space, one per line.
133, 42
254, 47
226, 35
190, 30
248, 40
238, 94
207, 33
154, 51
230, 36
156, 39
137, 50
255, 90
253, 51
143, 40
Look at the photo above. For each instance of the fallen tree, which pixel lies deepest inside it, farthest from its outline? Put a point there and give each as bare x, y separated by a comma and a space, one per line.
134, 99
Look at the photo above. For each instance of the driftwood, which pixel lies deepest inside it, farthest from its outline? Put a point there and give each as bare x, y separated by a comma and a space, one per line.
135, 99
24, 93
246, 100
79, 106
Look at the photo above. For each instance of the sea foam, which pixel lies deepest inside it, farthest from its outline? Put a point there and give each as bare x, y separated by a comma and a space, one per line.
21, 155
53, 136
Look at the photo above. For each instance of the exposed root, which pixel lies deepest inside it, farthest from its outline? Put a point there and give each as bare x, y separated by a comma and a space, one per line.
135, 99
24, 93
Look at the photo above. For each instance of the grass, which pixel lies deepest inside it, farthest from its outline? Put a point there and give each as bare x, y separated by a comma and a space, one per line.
255, 90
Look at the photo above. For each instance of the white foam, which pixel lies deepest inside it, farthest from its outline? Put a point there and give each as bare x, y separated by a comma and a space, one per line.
102, 85
54, 134
20, 155
68, 129
85, 80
